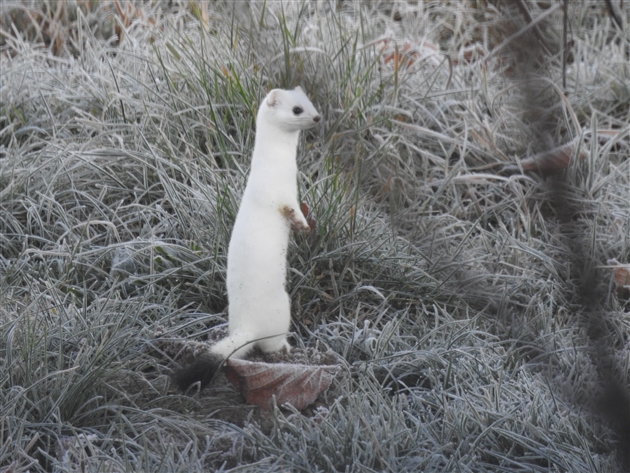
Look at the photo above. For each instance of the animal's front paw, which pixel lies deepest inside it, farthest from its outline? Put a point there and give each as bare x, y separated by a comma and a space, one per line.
297, 220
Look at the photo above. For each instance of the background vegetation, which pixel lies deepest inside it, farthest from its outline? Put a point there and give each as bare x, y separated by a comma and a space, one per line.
441, 275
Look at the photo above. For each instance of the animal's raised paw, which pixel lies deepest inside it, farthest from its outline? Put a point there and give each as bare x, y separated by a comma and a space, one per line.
202, 371
298, 222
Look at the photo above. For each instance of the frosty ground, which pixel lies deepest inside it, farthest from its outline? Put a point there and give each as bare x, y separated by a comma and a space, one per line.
440, 275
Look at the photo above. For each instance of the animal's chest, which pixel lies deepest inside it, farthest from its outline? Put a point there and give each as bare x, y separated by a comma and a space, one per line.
273, 189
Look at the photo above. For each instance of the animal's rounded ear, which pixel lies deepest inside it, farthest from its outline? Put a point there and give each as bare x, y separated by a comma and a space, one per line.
299, 89
272, 98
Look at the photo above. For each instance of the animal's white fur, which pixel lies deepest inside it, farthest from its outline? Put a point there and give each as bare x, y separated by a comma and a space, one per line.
259, 305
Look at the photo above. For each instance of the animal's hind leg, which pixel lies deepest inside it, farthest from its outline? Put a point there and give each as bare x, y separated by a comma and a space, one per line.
275, 344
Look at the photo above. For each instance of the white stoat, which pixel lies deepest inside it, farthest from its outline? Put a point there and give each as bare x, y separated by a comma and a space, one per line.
259, 306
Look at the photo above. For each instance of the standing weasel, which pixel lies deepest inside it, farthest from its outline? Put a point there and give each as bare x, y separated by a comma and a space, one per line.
259, 305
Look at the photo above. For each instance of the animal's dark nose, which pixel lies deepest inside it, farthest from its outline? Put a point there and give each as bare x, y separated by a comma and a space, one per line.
316, 118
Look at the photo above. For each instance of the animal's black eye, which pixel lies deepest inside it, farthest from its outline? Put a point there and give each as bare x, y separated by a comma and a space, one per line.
297, 110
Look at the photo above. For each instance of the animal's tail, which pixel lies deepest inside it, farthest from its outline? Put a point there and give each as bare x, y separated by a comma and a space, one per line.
236, 345
204, 368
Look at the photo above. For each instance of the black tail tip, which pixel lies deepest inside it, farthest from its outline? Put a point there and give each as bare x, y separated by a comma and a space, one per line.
202, 371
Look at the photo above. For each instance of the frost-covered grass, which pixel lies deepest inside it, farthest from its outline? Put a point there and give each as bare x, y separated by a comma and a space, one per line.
441, 282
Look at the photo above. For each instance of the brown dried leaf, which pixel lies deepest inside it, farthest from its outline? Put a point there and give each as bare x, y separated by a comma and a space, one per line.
295, 384
404, 54
305, 210
469, 54
552, 160
622, 278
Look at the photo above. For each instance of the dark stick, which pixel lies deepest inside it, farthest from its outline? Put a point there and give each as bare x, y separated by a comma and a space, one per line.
528, 17
565, 51
585, 285
613, 13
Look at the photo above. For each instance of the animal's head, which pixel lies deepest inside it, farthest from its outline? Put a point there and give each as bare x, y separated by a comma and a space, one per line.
289, 110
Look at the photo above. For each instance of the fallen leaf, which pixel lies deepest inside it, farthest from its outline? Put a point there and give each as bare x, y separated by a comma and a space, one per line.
469, 54
622, 278
310, 220
304, 209
295, 384
549, 161
552, 160
404, 54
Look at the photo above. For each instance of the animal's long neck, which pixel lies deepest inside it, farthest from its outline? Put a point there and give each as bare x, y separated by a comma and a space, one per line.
274, 148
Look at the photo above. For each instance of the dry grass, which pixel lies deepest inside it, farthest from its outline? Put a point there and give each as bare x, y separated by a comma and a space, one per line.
442, 277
